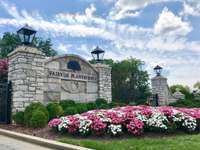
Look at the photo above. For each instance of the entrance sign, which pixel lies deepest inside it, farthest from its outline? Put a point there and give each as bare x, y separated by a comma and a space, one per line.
36, 78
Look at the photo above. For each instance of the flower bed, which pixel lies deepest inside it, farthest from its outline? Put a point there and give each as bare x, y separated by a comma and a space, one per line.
134, 120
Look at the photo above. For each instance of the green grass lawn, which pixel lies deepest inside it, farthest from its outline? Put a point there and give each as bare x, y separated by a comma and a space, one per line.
179, 142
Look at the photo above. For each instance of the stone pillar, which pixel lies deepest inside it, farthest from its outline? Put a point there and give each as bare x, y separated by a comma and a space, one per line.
160, 87
104, 81
26, 71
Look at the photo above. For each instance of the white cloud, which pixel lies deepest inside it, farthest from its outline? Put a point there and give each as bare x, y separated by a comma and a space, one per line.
191, 7
64, 47
126, 8
131, 8
149, 44
170, 24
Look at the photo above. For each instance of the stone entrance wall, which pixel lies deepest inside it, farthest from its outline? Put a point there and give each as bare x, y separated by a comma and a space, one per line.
36, 78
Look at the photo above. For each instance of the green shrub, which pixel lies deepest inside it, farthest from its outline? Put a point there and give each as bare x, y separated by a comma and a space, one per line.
30, 109
38, 119
132, 103
67, 103
81, 107
91, 106
115, 104
19, 118
186, 103
103, 106
55, 110
70, 111
100, 101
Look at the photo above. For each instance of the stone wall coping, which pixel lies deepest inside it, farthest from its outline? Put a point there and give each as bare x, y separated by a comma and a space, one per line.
40, 141
70, 55
26, 49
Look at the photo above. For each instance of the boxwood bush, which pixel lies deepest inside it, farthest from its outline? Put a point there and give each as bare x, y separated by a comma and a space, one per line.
55, 110
32, 108
38, 119
19, 118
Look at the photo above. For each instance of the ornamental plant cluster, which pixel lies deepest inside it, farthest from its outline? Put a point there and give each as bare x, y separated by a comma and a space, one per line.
3, 67
134, 120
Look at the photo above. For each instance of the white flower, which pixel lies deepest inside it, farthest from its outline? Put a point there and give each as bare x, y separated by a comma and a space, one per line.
140, 116
84, 126
64, 124
158, 120
115, 129
186, 121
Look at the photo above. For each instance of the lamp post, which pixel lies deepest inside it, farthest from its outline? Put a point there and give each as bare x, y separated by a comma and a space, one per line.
26, 35
98, 54
158, 70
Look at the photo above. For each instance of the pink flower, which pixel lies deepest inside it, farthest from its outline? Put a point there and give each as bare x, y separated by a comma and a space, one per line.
54, 123
135, 126
74, 124
98, 127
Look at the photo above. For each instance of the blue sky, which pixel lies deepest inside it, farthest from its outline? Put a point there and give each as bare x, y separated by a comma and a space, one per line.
164, 32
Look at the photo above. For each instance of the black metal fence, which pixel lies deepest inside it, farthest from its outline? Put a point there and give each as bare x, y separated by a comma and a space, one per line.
5, 102
153, 100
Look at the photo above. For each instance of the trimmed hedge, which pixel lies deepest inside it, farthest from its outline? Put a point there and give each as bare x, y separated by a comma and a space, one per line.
186, 103
91, 105
70, 111
101, 101
81, 107
66, 103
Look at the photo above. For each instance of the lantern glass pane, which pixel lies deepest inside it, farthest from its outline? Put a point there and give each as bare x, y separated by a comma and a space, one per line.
26, 38
101, 56
32, 37
94, 56
21, 36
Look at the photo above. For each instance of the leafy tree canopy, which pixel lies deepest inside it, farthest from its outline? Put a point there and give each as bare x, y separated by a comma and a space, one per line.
129, 82
10, 41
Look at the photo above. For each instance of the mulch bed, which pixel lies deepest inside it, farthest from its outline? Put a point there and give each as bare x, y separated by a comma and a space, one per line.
46, 133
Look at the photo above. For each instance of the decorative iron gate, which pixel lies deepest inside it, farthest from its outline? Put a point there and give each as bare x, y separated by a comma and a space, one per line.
5, 102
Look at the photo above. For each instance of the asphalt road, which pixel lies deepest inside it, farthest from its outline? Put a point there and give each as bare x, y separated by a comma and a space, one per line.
7, 143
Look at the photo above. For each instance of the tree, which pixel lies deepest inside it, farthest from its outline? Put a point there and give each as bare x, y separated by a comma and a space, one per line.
183, 89
129, 82
10, 41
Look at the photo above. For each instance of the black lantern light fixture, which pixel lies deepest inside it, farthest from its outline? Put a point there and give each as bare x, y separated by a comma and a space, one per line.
158, 70
98, 54
26, 34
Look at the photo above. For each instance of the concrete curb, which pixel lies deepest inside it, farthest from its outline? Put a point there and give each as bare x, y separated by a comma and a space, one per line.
40, 141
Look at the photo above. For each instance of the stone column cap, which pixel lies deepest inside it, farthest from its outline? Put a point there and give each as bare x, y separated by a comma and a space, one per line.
158, 78
99, 65
26, 49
